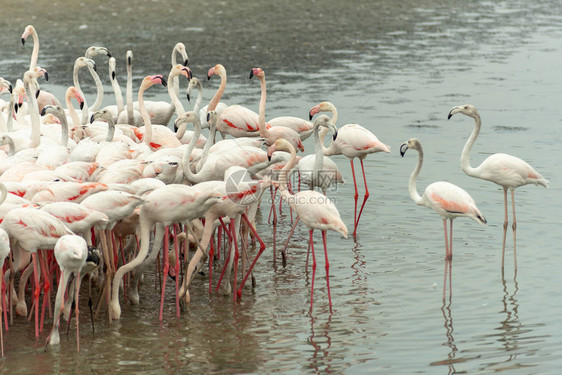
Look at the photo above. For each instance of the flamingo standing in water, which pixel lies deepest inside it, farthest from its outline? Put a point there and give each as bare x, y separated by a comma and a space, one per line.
71, 252
448, 200
314, 209
508, 171
272, 134
354, 141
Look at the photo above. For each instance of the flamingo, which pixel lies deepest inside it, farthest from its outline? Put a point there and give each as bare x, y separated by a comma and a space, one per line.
272, 134
195, 82
508, 171
354, 141
314, 209
236, 120
79, 63
166, 205
90, 53
44, 97
31, 230
71, 252
445, 198
119, 106
129, 115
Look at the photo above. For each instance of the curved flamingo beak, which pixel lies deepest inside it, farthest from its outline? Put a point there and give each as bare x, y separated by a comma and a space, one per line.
188, 97
453, 111
185, 62
10, 88
314, 110
403, 149
335, 135
37, 93
210, 73
23, 41
188, 73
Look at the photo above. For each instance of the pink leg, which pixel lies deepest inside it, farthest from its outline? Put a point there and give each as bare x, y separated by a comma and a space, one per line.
327, 268
211, 256
36, 293
236, 256
504, 223
177, 267
451, 261
166, 260
514, 226
313, 269
274, 229
446, 258
262, 248
356, 196
365, 197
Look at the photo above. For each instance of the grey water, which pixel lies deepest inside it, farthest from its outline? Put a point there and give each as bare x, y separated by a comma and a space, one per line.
396, 68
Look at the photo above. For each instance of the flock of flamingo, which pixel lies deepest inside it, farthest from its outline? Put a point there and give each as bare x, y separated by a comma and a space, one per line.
110, 188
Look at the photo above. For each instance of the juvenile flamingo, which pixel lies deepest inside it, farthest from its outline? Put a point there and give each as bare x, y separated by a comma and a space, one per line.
508, 171
448, 200
314, 209
354, 141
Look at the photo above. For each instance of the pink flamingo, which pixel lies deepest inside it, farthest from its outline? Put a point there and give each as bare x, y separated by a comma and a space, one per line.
353, 141
314, 209
236, 120
508, 171
31, 230
44, 97
448, 200
272, 134
167, 205
71, 252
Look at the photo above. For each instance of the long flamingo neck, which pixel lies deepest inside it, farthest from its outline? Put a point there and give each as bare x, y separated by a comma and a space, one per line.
210, 141
76, 82
64, 129
319, 149
99, 90
197, 105
264, 133
328, 150
465, 156
129, 94
35, 52
173, 89
71, 110
412, 189
190, 176
145, 116
34, 115
117, 92
10, 119
218, 95
283, 190
110, 129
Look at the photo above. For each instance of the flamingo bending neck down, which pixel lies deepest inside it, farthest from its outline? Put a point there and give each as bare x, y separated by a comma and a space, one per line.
354, 141
508, 171
314, 209
448, 200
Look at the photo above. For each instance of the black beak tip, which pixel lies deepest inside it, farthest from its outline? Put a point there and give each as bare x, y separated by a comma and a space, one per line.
46, 76
112, 75
129, 61
10, 89
208, 117
335, 136
251, 74
185, 62
109, 54
92, 119
43, 111
268, 157
310, 116
164, 83
449, 116
95, 67
188, 98
37, 93
23, 41
81, 105
208, 77
16, 107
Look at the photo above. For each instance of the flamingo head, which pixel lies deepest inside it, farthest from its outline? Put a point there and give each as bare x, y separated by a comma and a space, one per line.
155, 79
29, 29
179, 69
103, 115
322, 107
112, 64
95, 50
412, 143
50, 118
180, 48
129, 58
467, 110
193, 82
217, 69
74, 93
258, 72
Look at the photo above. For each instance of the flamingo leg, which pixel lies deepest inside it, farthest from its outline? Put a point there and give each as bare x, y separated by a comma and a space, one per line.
451, 261
514, 226
234, 231
313, 269
262, 248
36, 293
365, 197
327, 268
355, 197
446, 258
504, 223
166, 260
78, 280
177, 268
284, 251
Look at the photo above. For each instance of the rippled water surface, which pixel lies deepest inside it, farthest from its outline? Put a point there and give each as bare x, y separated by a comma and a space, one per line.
397, 68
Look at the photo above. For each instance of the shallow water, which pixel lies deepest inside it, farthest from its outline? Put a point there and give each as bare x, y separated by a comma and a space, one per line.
397, 68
